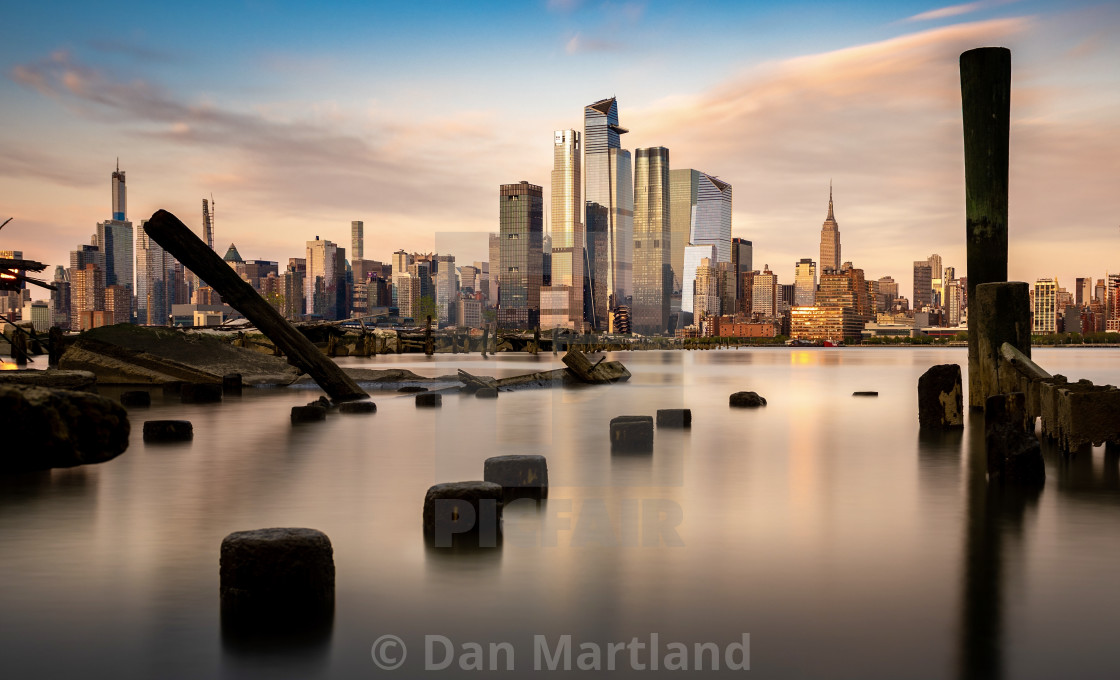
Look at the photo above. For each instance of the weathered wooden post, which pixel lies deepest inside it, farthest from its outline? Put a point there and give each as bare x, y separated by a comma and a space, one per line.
485, 338
177, 239
536, 339
55, 346
555, 335
986, 112
429, 348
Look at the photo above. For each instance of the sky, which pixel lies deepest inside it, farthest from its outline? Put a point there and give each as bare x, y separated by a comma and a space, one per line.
300, 117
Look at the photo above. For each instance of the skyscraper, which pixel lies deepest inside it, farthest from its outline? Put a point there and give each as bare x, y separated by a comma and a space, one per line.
653, 274
357, 239
521, 218
609, 198
692, 258
742, 256
705, 301
805, 283
208, 222
155, 269
114, 238
682, 203
319, 283
568, 238
712, 221
923, 285
764, 296
830, 240
447, 289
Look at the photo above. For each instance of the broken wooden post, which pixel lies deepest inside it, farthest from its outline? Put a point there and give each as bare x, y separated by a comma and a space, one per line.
986, 110
1002, 315
429, 348
485, 339
177, 239
54, 346
555, 336
536, 339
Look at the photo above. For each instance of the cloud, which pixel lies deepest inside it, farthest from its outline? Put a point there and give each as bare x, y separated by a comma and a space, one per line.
946, 12
581, 45
883, 119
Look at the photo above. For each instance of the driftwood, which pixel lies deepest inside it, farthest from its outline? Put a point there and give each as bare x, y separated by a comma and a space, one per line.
177, 239
473, 383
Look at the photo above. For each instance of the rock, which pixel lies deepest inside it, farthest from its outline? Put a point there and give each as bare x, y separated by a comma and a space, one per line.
357, 407
201, 393
747, 400
49, 428
409, 389
865, 394
136, 399
308, 414
168, 430
632, 433
463, 509
286, 573
519, 476
429, 399
231, 384
322, 401
940, 398
674, 417
1014, 454
487, 393
117, 365
54, 378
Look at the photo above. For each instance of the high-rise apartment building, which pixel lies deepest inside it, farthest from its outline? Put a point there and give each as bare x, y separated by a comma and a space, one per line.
1082, 292
653, 274
357, 239
407, 287
846, 288
447, 289
805, 283
609, 201
208, 223
830, 240
706, 302
742, 257
565, 296
155, 280
87, 292
1045, 307
923, 285
119, 193
764, 294
521, 219
115, 238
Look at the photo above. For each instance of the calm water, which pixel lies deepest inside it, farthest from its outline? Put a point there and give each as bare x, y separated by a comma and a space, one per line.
822, 525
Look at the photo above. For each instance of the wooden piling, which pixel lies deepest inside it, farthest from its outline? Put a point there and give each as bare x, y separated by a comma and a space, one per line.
986, 112
178, 239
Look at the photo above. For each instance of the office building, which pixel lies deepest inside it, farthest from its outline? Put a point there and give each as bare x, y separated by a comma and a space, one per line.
653, 274
357, 239
923, 285
1044, 317
521, 220
830, 239
805, 283
693, 255
609, 201
566, 286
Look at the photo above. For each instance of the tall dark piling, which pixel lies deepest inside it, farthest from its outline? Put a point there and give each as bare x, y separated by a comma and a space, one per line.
178, 239
986, 112
999, 313
429, 347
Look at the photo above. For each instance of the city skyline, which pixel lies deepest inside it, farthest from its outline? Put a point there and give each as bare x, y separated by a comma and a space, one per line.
898, 180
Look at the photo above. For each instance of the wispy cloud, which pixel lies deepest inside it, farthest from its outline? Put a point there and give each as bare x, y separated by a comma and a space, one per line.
957, 10
581, 45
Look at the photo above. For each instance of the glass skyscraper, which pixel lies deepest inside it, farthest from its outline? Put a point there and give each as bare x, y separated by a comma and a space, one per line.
653, 274
609, 199
568, 238
692, 257
115, 239
701, 214
521, 218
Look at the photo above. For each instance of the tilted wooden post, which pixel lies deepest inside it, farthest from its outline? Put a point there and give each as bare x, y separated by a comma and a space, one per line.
429, 348
986, 111
177, 239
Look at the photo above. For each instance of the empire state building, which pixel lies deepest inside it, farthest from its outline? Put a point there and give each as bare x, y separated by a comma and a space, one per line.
830, 239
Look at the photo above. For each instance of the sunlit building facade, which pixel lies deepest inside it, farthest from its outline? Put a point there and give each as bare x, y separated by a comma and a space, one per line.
805, 283
653, 274
609, 202
564, 306
830, 240
521, 219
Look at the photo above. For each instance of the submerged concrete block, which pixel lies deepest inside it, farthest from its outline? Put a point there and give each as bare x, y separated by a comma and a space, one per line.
231, 384
1014, 455
1087, 416
308, 414
285, 573
357, 407
524, 476
168, 430
941, 398
463, 509
632, 433
674, 417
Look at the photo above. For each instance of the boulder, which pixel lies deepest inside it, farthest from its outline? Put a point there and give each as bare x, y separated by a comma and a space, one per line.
429, 399
168, 430
471, 509
285, 573
201, 393
674, 417
941, 398
747, 400
632, 433
308, 414
524, 476
357, 407
48, 428
54, 378
136, 399
487, 393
